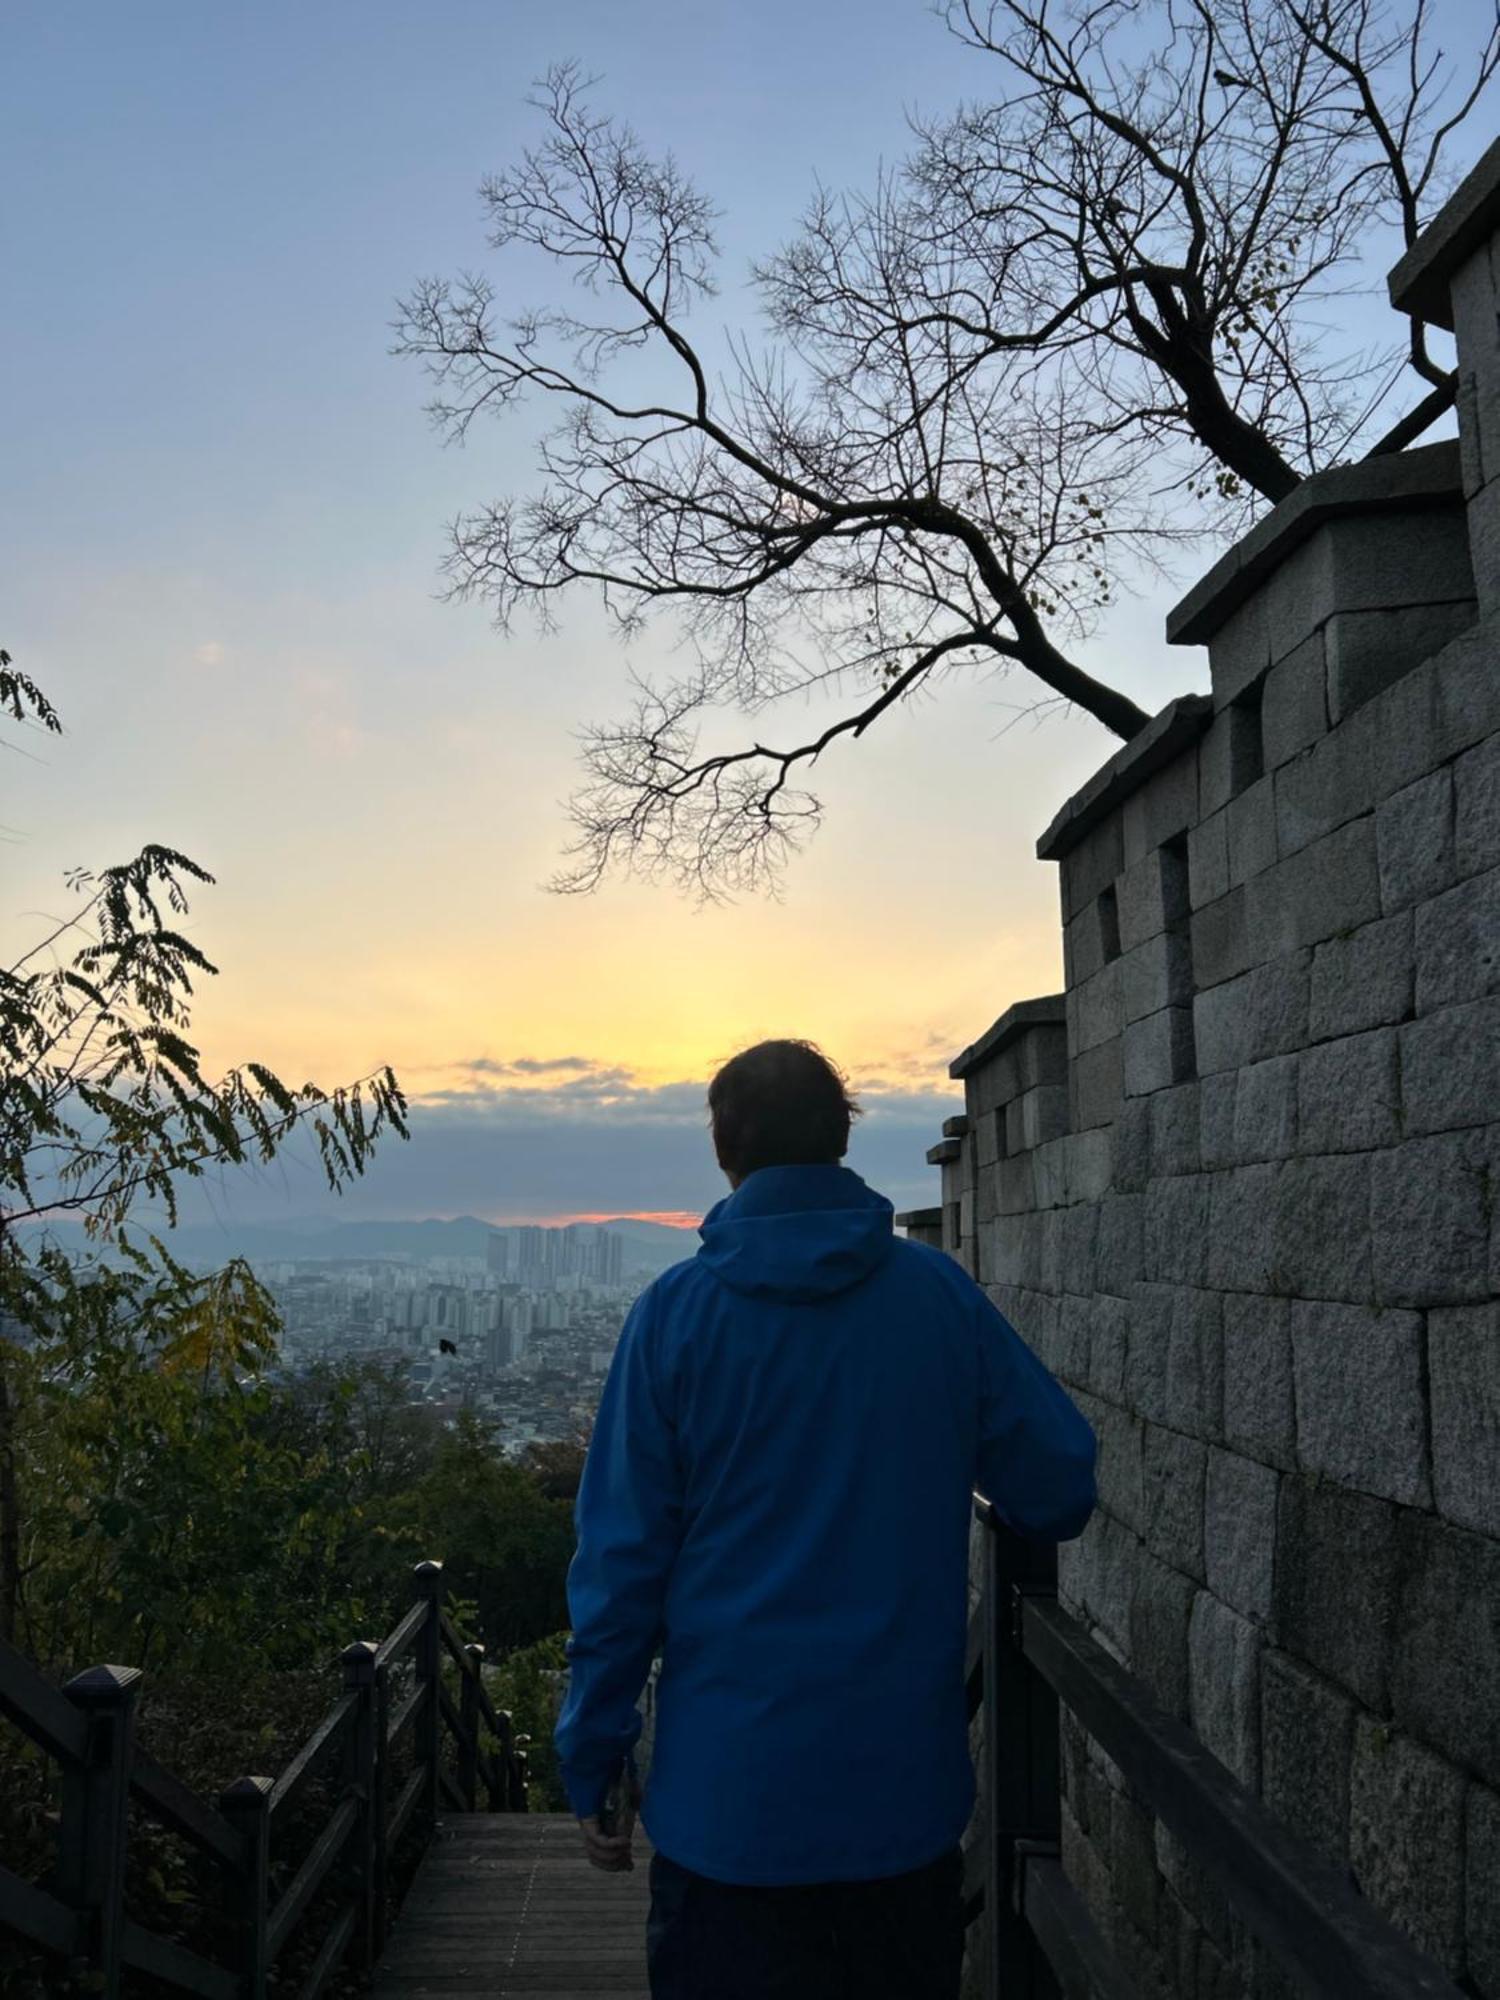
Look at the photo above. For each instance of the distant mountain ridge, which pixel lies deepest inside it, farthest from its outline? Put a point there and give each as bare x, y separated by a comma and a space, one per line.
649, 1245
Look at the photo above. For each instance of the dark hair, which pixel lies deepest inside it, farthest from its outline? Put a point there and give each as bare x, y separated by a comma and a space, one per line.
779, 1104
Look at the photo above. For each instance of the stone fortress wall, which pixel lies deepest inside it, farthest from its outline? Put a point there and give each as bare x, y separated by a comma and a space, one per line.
1237, 1186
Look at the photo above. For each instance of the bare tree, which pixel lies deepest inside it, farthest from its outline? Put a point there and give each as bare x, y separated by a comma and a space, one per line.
1077, 329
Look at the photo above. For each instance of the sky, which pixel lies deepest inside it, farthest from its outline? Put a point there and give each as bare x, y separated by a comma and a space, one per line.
224, 509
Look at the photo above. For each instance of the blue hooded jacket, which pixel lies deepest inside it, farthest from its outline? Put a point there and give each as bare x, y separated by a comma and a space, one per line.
777, 1499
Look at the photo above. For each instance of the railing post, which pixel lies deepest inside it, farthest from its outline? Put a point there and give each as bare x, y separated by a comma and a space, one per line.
380, 1800
468, 1715
523, 1778
1021, 1761
246, 1804
428, 1578
358, 1661
95, 1796
505, 1762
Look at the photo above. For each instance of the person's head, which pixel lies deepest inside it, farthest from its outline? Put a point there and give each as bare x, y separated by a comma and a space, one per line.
779, 1104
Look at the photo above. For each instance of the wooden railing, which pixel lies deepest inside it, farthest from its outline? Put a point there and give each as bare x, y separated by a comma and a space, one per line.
1026, 1656
78, 1914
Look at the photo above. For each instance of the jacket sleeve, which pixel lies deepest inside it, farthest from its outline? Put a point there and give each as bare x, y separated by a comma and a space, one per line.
1037, 1451
628, 1516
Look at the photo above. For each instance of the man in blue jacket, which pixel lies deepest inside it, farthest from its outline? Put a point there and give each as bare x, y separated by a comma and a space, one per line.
777, 1500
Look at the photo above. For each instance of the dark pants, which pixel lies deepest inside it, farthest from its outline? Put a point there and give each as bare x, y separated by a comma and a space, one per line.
897, 1938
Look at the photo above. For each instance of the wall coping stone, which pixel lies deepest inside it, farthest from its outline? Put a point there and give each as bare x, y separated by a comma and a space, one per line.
1419, 282
1170, 731
1048, 1011
919, 1218
944, 1151
957, 1126
1396, 482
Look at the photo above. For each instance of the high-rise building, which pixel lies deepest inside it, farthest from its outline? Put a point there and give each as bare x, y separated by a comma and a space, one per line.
500, 1347
497, 1254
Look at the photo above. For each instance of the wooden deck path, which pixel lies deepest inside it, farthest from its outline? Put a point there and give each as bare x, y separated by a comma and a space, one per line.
504, 1903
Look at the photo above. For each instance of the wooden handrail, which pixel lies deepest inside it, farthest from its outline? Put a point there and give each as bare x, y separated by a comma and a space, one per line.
87, 1729
307, 1759
1034, 1655
178, 1807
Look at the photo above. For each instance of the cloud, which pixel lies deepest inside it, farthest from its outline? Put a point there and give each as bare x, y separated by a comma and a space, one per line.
599, 1141
524, 1065
210, 653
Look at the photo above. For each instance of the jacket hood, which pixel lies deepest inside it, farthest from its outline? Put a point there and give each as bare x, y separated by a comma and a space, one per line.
796, 1233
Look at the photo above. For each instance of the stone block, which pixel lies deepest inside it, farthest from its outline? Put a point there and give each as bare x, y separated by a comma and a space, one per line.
1259, 1411
1242, 1229
1174, 1131
1240, 651
991, 1087
1349, 1094
1092, 939
1328, 887
1265, 1109
1368, 650
1252, 831
1445, 1665
1109, 1343
1208, 859
1173, 1469
1195, 1365
1041, 1056
1035, 1117
1334, 781
1221, 940
1463, 1360
988, 1138
1307, 1738
1132, 1136
1159, 1613
1122, 1241
1363, 980
1482, 1904
1239, 1533
1158, 1051
1164, 806
1096, 1085
1098, 1008
1092, 865
1294, 703
1119, 1474
1015, 1186
1457, 943
1152, 896
1149, 1351
1230, 756
1414, 841
1077, 1248
1361, 1401
1177, 1212
1262, 1013
1320, 1232
1484, 534
1476, 814
1336, 1583
1224, 1685
1216, 1095
1450, 1068
1430, 1215
1474, 294
1406, 1833
1049, 1173
1157, 974
1090, 1164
